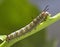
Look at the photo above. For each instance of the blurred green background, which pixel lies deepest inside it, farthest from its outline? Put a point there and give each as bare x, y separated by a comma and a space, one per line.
15, 14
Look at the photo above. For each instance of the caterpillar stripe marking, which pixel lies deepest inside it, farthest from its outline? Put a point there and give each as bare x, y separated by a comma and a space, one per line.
42, 17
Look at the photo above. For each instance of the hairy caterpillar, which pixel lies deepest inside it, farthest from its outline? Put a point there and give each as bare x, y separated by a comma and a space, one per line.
42, 17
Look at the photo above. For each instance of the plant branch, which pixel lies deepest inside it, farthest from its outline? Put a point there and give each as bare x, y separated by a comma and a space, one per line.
50, 20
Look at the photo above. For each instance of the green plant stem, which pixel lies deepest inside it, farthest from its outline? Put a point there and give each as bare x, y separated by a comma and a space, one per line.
41, 26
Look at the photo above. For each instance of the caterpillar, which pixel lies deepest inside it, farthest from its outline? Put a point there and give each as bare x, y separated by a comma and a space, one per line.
42, 17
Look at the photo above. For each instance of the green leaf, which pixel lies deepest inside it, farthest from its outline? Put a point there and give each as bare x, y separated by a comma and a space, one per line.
41, 26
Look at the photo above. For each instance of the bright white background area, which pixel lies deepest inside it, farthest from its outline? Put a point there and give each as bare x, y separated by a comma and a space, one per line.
54, 8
